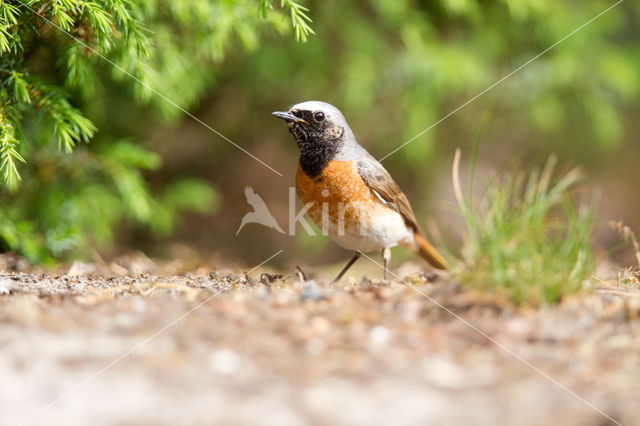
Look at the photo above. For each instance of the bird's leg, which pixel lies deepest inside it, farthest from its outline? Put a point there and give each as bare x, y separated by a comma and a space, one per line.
303, 276
386, 257
355, 257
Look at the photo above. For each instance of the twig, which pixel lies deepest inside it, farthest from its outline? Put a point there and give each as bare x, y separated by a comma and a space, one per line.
628, 236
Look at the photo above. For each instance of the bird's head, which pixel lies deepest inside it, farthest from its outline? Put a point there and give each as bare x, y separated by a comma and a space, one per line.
316, 125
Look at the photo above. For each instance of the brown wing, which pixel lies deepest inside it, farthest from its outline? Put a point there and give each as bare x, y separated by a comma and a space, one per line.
383, 185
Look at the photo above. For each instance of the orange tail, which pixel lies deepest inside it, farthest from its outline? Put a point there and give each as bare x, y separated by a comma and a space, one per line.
429, 253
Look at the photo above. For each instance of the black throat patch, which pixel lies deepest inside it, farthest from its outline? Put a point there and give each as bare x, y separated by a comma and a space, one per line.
316, 148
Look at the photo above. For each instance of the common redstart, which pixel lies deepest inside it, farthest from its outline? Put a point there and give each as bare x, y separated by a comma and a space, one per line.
347, 191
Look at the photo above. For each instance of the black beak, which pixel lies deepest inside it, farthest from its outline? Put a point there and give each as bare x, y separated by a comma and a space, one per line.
288, 117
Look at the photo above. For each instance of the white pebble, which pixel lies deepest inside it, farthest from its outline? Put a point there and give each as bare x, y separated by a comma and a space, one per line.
6, 286
379, 335
225, 361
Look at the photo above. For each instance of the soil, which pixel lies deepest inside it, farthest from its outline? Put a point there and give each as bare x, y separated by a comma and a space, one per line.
125, 348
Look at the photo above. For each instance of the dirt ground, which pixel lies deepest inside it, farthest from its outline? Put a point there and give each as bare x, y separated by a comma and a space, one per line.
125, 348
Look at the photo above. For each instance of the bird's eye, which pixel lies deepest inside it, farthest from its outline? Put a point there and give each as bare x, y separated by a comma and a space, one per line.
318, 116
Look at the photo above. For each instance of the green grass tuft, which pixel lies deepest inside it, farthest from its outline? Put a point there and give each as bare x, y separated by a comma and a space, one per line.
525, 237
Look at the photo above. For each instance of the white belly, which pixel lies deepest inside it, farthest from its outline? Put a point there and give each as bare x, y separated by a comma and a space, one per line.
379, 228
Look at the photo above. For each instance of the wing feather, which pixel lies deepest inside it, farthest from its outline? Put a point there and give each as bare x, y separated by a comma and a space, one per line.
384, 187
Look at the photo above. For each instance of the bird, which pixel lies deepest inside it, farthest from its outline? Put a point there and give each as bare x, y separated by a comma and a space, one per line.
348, 192
260, 213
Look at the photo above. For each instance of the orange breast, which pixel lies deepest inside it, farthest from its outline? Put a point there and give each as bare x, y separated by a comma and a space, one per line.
339, 188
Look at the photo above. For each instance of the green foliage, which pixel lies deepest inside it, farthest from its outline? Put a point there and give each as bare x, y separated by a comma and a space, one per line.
60, 62
300, 19
68, 203
525, 238
404, 65
400, 64
9, 156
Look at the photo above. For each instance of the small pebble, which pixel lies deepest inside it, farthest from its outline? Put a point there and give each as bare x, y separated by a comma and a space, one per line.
267, 278
379, 335
311, 291
320, 325
6, 286
225, 361
80, 268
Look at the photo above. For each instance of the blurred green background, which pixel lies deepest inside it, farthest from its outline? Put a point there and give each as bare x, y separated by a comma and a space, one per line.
96, 153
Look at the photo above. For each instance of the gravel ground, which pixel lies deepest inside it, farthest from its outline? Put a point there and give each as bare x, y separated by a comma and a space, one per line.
221, 348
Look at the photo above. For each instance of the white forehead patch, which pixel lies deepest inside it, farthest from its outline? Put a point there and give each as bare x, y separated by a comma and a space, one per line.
329, 110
